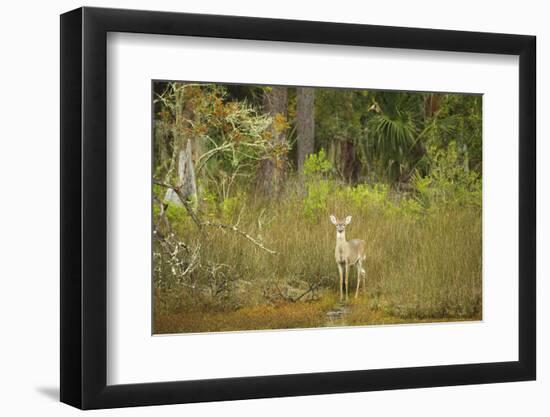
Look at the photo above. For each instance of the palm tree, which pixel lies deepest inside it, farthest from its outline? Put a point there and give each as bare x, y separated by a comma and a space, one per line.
393, 130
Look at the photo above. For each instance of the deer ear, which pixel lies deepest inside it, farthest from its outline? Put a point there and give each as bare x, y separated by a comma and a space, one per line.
333, 219
348, 220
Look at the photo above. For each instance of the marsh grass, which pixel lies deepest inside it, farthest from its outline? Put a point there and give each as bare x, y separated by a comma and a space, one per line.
423, 262
288, 315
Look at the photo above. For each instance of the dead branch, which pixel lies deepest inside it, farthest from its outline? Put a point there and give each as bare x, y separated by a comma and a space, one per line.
281, 294
163, 240
162, 219
201, 224
184, 201
286, 297
204, 158
240, 232
172, 249
312, 287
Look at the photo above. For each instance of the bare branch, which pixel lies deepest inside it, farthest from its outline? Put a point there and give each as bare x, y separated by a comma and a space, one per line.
201, 224
164, 240
172, 249
312, 287
240, 232
162, 219
204, 158
286, 297
184, 201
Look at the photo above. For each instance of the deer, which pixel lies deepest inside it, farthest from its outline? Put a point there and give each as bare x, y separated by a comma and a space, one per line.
348, 253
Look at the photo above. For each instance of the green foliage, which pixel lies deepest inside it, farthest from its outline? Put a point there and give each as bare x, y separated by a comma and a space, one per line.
415, 200
229, 137
340, 114
230, 207
393, 136
372, 197
317, 164
448, 182
393, 128
177, 216
466, 112
316, 199
318, 188
422, 262
390, 131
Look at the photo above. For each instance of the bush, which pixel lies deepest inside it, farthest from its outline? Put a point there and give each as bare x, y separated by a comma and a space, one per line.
448, 182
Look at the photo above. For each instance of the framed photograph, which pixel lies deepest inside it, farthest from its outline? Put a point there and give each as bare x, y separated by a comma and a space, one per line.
259, 208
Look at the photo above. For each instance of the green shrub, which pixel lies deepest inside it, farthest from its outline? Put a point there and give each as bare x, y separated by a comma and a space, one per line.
449, 181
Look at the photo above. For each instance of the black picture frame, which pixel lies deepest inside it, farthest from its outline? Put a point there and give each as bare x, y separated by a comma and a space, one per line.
84, 207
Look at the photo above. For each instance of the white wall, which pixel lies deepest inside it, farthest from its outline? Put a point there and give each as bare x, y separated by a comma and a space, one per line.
29, 169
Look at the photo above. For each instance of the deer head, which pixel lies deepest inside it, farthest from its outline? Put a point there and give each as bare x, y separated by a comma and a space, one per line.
340, 225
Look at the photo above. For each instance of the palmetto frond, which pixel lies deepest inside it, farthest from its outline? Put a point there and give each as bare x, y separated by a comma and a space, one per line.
393, 135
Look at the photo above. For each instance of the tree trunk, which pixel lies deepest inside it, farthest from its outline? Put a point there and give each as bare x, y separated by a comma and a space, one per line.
305, 123
272, 170
186, 177
350, 165
432, 104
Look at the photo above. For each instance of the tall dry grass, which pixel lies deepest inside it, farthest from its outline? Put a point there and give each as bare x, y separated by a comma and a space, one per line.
421, 263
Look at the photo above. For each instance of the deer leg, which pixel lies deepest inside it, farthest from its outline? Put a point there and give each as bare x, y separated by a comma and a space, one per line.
341, 275
359, 269
346, 280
